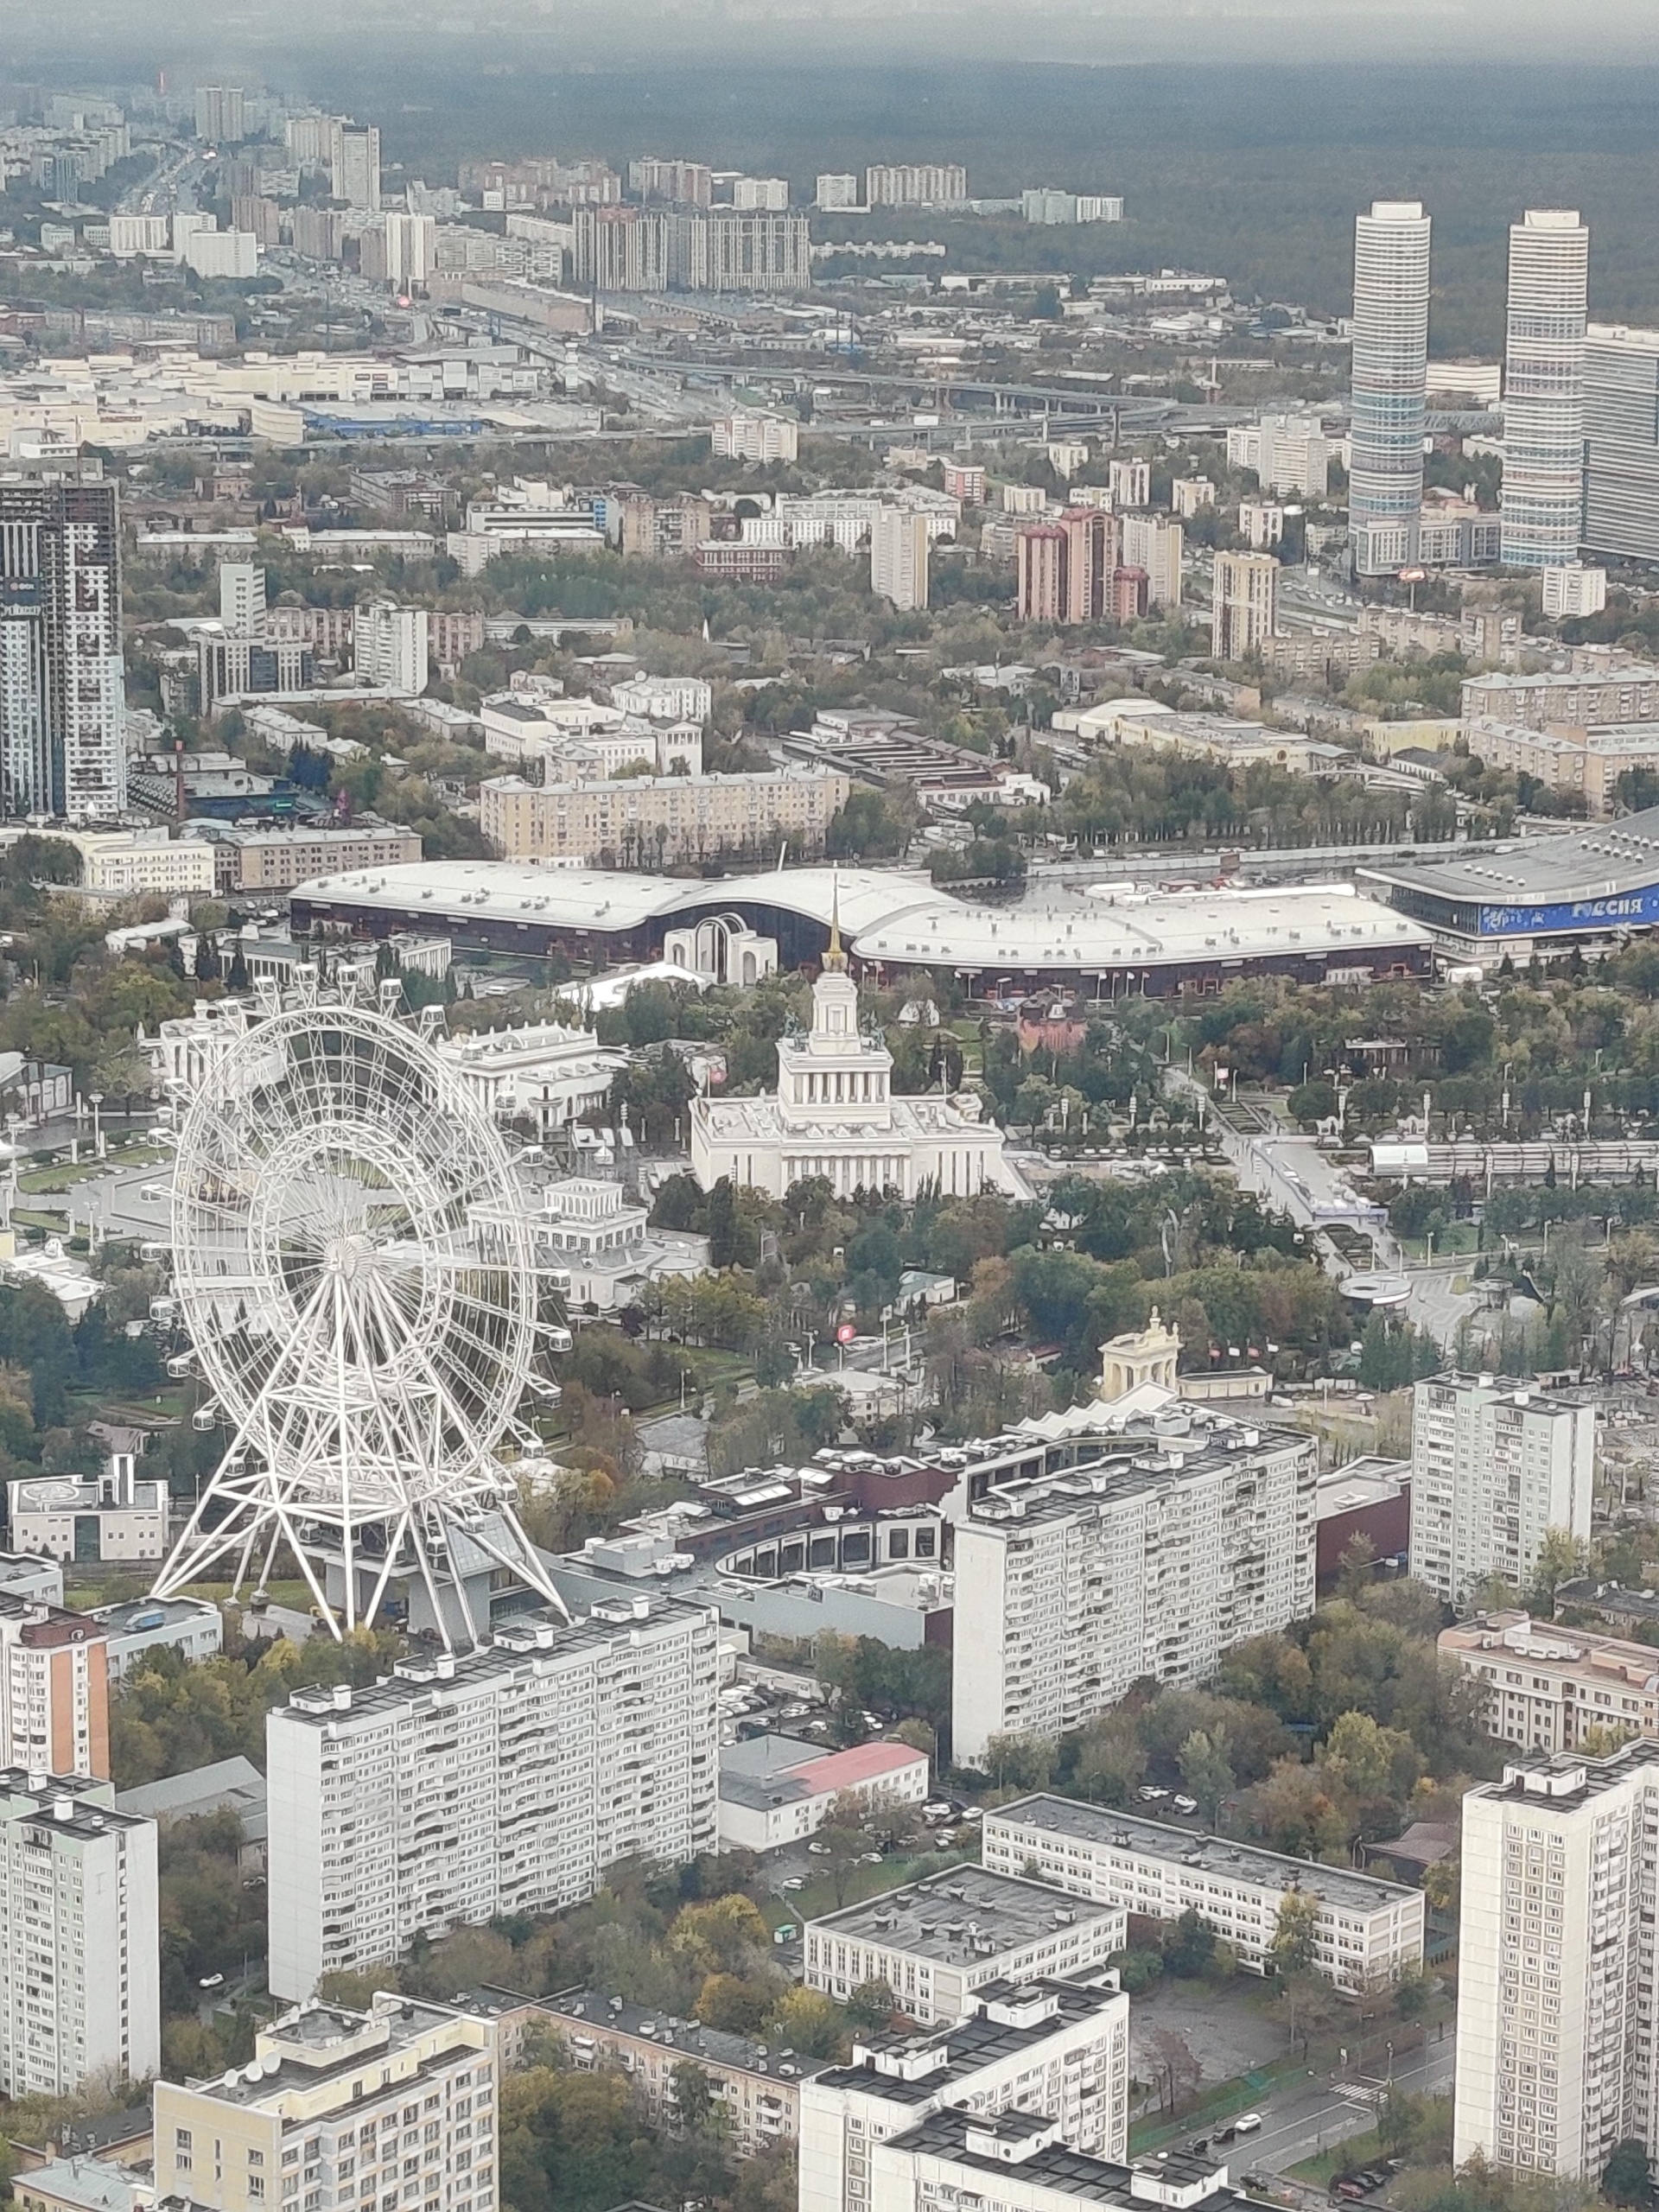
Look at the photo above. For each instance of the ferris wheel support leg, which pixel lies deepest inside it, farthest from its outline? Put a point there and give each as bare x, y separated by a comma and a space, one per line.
528, 1564
279, 1508
417, 1541
270, 1559
241, 1575
458, 1583
193, 1554
394, 1548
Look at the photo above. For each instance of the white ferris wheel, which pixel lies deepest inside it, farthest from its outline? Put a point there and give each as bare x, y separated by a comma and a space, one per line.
355, 1262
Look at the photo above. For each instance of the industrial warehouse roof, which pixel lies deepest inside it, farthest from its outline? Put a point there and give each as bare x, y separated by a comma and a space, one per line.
896, 915
1601, 862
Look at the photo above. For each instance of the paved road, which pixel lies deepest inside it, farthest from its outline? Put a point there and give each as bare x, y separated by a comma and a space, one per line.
1303, 2121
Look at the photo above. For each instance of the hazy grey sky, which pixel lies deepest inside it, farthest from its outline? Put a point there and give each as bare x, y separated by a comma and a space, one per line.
1478, 31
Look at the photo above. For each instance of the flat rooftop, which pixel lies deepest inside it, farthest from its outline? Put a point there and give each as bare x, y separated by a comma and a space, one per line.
529, 1636
316, 2042
1067, 2173
1568, 1777
1130, 1464
969, 2043
590, 2011
932, 1917
1206, 1854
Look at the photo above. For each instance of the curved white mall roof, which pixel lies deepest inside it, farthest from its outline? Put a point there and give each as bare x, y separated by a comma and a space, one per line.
559, 898
1146, 930
890, 915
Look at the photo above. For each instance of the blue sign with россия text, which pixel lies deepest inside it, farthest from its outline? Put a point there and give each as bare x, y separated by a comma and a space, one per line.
1628, 907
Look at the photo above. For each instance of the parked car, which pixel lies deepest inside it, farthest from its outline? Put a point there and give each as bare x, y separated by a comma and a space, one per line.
1348, 2190
211, 1981
795, 1882
1150, 1794
1185, 1804
819, 1849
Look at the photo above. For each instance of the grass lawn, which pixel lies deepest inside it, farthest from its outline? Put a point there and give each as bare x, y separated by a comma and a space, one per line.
819, 1896
1355, 2151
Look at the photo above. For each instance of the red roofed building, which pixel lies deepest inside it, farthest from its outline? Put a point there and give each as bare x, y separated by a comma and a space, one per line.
775, 1790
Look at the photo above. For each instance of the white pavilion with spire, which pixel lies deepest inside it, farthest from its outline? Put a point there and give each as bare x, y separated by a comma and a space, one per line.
834, 1115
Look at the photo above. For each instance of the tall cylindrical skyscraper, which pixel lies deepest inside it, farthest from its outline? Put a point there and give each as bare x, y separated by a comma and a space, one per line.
1390, 377
1543, 389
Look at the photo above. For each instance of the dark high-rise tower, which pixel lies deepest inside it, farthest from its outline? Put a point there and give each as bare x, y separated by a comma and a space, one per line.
62, 689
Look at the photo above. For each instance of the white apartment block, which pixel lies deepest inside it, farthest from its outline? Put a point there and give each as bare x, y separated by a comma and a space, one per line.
762, 438
504, 1781
79, 1937
1369, 1932
388, 645
899, 559
836, 188
1129, 482
1244, 604
940, 1941
1020, 2162
1051, 2047
1555, 2058
1494, 1463
1572, 589
915, 184
768, 193
1155, 543
394, 2108
1186, 1533
1547, 1687
241, 598
1289, 453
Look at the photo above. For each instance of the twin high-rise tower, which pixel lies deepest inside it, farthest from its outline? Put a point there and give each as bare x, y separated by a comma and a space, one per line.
1391, 385
1542, 498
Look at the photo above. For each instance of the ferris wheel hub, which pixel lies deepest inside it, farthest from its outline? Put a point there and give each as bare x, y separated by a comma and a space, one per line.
349, 1257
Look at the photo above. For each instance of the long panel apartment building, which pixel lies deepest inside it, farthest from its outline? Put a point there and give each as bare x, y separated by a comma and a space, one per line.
1368, 1934
1556, 2014
662, 818
504, 1781
1495, 1464
1546, 1688
1184, 1532
939, 1942
1052, 2047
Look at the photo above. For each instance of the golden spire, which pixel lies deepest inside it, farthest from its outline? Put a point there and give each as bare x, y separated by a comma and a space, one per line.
834, 961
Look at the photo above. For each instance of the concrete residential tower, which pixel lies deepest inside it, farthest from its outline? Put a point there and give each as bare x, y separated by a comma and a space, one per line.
1542, 496
1390, 377
1494, 1464
1556, 2009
